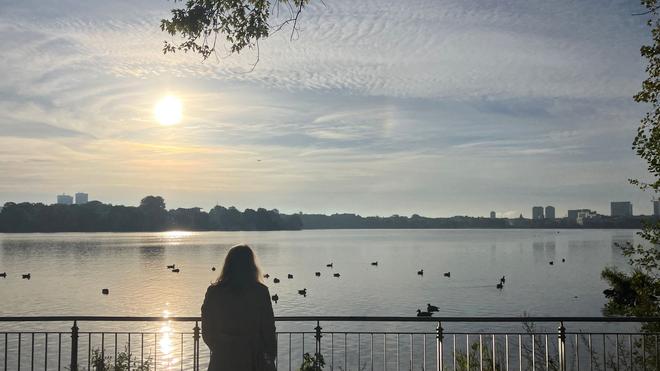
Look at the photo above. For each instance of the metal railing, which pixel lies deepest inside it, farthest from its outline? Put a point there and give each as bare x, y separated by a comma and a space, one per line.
350, 343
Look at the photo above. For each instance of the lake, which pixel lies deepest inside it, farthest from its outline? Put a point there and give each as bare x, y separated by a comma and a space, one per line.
69, 270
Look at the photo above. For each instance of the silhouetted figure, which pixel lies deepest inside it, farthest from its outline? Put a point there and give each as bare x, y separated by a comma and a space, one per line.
290, 276
423, 314
551, 263
563, 260
3, 274
276, 280
420, 272
237, 316
171, 266
303, 292
499, 286
447, 274
374, 263
318, 274
105, 292
176, 270
27, 276
431, 308
266, 276
503, 280
329, 265
213, 269
275, 298
336, 274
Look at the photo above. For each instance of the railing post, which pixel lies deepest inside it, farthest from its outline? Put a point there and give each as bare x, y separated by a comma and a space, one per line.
196, 347
317, 336
74, 346
561, 349
439, 351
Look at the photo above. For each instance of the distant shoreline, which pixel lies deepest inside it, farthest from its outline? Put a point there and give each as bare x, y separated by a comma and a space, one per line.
338, 229
153, 216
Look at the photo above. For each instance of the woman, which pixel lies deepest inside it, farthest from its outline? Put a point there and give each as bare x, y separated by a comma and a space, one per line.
237, 317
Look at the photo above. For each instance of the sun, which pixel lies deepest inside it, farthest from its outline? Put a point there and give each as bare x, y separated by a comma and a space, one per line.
168, 111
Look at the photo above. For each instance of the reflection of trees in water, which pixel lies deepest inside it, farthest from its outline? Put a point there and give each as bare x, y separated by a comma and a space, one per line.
59, 248
550, 249
152, 254
538, 251
584, 250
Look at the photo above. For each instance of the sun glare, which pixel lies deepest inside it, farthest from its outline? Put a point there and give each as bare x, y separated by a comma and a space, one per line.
168, 111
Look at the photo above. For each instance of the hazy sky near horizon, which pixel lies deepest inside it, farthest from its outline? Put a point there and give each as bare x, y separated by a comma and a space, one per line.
378, 107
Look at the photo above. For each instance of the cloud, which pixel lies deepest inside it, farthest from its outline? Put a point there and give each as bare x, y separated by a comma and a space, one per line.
435, 107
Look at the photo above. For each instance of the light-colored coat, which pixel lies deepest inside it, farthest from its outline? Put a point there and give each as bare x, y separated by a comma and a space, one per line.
239, 328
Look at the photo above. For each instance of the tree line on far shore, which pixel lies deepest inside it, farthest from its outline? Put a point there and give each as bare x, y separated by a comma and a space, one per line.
151, 215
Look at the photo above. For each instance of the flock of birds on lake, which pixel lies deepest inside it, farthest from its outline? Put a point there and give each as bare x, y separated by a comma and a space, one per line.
430, 309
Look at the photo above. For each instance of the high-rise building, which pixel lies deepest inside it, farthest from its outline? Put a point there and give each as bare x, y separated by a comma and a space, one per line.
623, 208
574, 215
656, 208
64, 199
550, 212
82, 198
493, 215
585, 214
537, 212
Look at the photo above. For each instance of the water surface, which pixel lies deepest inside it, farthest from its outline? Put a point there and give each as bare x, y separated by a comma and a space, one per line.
69, 271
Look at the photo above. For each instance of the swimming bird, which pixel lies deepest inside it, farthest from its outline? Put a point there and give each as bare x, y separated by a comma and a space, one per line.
290, 276
420, 272
551, 263
27, 276
563, 260
3, 274
105, 291
171, 266
447, 274
318, 274
266, 275
423, 314
213, 269
275, 298
276, 280
500, 286
431, 308
374, 263
176, 270
336, 274
303, 292
329, 265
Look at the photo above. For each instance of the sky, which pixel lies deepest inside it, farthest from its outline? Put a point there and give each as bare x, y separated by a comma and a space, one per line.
376, 107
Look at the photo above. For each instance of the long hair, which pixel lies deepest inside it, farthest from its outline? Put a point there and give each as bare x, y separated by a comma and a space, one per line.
240, 268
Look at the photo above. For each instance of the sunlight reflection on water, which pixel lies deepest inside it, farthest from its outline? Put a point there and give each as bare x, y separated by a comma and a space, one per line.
166, 345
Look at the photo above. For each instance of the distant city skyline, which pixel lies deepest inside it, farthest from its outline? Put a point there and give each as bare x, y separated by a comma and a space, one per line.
379, 107
617, 208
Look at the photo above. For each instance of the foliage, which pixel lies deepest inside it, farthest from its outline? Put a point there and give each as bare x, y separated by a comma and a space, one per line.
474, 359
312, 363
125, 361
242, 23
151, 215
635, 293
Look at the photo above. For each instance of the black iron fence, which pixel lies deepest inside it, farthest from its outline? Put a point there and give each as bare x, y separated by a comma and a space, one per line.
345, 343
